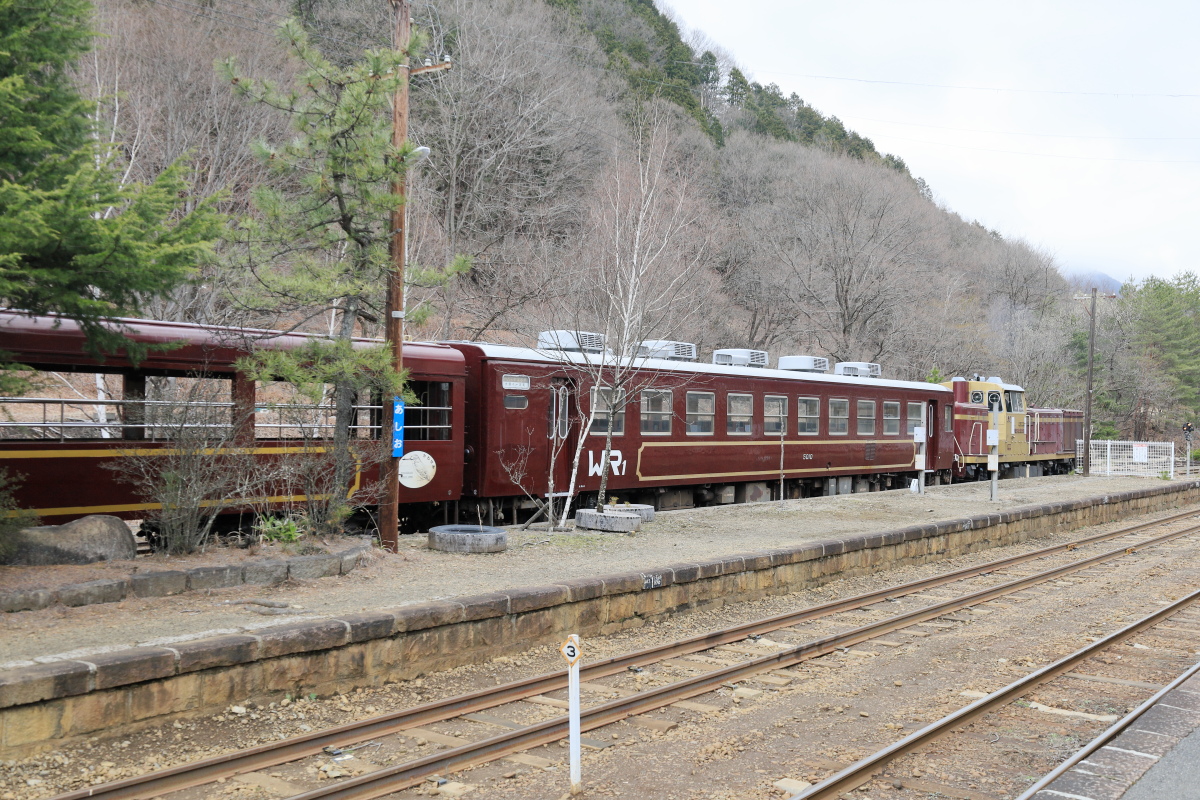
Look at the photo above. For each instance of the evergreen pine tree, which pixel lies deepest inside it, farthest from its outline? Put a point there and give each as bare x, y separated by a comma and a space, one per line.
73, 239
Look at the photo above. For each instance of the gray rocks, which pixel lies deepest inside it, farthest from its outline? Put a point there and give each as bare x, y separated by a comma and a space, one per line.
86, 594
323, 565
468, 539
83, 541
609, 521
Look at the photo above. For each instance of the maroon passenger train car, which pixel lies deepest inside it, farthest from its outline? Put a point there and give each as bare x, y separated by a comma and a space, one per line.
697, 434
60, 443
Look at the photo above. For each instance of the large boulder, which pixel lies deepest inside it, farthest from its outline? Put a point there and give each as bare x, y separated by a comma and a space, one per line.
83, 541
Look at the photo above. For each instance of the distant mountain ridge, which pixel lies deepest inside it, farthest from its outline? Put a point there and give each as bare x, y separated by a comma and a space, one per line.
1107, 284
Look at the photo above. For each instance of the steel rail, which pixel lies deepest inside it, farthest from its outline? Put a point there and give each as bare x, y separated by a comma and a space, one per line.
865, 770
1103, 739
223, 766
392, 779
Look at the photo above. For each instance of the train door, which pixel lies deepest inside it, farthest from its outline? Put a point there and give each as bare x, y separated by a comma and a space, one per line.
1018, 429
932, 435
996, 417
563, 429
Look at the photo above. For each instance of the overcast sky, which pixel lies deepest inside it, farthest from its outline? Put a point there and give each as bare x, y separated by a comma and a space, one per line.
1081, 133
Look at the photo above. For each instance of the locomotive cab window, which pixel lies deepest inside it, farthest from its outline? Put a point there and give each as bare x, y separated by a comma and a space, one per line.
994, 402
839, 417
602, 403
916, 417
977, 397
866, 418
774, 415
1014, 402
656, 412
701, 411
891, 417
809, 411
739, 414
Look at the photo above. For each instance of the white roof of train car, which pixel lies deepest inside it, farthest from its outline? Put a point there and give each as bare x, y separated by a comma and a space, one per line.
497, 351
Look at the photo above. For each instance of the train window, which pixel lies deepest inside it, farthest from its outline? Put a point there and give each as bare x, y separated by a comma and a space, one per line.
602, 404
809, 409
516, 401
701, 411
866, 417
775, 415
916, 417
656, 411
739, 414
948, 415
891, 417
839, 417
428, 419
1014, 402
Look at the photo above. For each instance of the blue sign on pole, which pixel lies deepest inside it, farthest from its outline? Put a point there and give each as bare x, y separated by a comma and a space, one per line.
397, 427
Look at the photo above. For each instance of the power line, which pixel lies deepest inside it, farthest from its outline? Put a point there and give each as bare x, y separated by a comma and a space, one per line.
1020, 133
981, 88
1041, 155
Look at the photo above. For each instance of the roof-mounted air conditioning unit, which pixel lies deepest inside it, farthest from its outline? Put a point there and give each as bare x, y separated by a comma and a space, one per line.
804, 363
740, 358
663, 348
571, 341
857, 369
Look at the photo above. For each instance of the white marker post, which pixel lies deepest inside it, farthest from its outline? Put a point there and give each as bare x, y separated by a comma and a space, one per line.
993, 440
570, 653
919, 456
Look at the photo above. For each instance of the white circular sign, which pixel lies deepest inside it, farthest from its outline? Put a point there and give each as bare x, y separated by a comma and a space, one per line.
417, 469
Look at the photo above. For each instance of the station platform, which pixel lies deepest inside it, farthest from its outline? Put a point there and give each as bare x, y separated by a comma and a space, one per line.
1155, 757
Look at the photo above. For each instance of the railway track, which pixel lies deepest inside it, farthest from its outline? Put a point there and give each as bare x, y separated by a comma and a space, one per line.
743, 643
871, 767
1103, 740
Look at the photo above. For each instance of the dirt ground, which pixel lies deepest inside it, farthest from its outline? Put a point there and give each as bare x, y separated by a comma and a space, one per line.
417, 574
839, 708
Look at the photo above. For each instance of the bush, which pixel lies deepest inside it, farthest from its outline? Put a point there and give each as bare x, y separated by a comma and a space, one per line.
12, 517
279, 529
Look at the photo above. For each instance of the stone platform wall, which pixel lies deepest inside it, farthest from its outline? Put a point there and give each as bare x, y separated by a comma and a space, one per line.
126, 690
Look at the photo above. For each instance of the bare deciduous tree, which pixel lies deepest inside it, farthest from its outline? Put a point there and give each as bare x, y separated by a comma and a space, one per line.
640, 275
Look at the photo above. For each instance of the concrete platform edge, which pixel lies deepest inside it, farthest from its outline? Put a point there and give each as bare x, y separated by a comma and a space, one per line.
136, 688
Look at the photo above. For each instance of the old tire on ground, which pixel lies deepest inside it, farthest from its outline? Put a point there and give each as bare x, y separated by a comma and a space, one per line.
468, 539
643, 510
610, 521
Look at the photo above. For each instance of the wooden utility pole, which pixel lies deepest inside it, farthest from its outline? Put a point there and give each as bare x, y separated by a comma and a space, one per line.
1087, 402
394, 324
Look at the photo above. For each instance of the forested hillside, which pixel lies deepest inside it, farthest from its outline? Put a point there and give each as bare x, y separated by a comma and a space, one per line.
793, 233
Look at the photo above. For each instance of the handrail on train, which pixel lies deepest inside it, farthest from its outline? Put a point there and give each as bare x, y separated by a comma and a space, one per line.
119, 425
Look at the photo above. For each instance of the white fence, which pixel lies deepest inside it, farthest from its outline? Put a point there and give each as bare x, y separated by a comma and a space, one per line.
1142, 459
